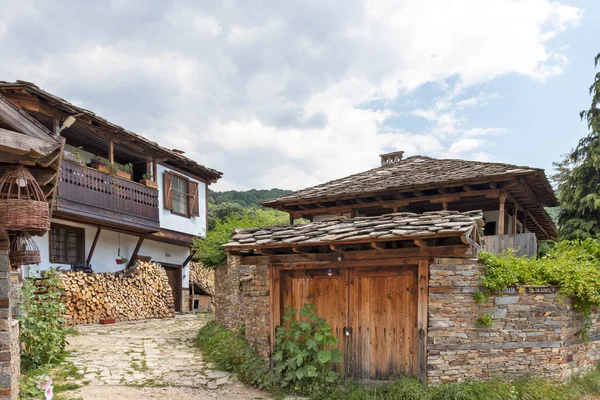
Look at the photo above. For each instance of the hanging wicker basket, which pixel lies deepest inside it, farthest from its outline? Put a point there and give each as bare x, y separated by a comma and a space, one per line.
23, 206
23, 250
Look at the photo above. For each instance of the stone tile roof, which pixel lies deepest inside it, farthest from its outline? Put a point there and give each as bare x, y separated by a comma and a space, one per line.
415, 173
340, 230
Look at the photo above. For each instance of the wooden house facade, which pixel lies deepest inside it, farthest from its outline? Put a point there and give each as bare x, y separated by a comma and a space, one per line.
119, 198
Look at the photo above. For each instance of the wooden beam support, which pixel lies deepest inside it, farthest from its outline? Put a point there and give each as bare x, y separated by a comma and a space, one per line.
501, 214
136, 251
378, 246
94, 243
187, 259
421, 243
422, 319
514, 218
111, 152
155, 172
445, 206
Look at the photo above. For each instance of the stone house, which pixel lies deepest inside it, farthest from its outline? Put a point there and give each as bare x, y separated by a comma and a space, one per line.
391, 264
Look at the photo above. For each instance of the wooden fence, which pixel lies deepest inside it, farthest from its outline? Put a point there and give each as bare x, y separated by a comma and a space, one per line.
523, 243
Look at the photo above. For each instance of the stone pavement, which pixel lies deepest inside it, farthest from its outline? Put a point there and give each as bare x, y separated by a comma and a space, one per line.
150, 359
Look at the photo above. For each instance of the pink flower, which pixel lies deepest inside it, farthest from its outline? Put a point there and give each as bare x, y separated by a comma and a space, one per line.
48, 393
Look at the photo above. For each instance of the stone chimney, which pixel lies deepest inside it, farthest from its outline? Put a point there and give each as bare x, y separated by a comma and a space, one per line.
391, 158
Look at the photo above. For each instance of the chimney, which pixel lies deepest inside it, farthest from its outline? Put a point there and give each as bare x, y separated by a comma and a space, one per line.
391, 158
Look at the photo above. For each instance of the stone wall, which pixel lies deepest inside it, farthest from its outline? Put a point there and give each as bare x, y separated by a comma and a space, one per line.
242, 299
535, 330
9, 328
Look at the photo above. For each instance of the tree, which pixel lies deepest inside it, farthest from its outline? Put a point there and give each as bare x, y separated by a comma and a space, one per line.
579, 177
209, 250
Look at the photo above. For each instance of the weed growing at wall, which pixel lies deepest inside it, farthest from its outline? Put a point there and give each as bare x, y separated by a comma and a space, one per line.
41, 332
305, 350
229, 351
574, 266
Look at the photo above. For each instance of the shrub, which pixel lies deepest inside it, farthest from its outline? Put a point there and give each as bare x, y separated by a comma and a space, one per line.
305, 349
229, 351
42, 335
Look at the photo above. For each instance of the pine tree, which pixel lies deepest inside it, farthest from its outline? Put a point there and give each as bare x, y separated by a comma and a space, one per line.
579, 188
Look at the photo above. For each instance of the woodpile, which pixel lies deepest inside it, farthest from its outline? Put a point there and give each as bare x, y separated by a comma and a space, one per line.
203, 277
136, 293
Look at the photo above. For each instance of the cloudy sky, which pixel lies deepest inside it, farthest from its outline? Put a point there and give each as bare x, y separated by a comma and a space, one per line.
293, 93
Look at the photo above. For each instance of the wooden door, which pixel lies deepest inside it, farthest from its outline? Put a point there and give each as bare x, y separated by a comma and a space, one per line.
329, 294
174, 275
383, 315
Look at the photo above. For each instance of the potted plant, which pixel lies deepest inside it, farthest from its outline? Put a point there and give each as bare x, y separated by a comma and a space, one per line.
148, 181
125, 171
101, 165
122, 260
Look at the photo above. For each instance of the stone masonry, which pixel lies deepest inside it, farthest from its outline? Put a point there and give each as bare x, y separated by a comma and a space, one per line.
242, 300
9, 329
535, 330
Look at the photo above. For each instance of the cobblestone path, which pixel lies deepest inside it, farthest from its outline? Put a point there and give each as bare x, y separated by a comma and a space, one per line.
150, 359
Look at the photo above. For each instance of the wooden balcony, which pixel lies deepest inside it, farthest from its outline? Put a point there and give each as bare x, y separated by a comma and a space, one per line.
88, 195
523, 243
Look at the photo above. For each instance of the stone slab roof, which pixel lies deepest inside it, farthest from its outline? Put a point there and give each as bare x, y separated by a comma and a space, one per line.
413, 173
341, 230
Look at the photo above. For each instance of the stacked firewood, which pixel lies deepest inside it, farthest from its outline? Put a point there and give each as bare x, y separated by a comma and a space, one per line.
137, 293
203, 277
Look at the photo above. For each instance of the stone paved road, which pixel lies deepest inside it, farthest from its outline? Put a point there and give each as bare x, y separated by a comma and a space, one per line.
151, 359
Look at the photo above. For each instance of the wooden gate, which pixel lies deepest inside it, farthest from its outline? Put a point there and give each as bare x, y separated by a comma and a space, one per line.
379, 305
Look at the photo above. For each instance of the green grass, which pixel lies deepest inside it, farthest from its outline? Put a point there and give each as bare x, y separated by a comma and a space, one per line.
60, 374
228, 351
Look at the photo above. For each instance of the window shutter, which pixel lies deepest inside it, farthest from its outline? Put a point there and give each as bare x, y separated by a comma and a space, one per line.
193, 206
168, 190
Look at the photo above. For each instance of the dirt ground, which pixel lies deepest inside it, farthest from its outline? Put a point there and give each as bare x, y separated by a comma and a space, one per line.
151, 359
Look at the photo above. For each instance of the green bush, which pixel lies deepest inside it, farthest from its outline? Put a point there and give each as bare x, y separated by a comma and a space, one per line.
229, 351
574, 266
305, 349
42, 335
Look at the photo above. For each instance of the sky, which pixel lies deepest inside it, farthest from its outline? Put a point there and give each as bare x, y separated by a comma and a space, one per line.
290, 94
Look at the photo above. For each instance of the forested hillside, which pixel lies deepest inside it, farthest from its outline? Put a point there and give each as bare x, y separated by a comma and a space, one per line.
245, 198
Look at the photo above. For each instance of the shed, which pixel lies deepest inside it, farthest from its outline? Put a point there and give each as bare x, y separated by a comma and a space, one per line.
367, 276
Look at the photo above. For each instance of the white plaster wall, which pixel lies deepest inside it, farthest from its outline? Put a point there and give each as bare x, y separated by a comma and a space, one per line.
105, 254
168, 220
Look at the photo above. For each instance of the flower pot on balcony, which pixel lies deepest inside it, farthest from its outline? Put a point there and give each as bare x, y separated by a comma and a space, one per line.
123, 174
149, 183
105, 169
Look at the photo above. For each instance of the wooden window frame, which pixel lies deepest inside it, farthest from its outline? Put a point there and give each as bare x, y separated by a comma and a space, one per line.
81, 250
188, 183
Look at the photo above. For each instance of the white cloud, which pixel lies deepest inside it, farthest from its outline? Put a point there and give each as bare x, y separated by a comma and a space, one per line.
287, 94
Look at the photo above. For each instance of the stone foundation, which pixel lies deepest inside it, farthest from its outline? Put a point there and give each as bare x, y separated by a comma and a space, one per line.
242, 300
10, 362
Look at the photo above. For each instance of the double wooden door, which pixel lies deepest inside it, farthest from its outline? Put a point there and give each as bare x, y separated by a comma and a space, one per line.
372, 311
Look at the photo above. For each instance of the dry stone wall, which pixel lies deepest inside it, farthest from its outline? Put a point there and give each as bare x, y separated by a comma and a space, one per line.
242, 299
9, 328
137, 293
534, 330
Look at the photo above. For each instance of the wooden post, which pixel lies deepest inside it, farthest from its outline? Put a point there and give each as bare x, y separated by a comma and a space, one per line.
136, 250
275, 299
445, 206
501, 214
514, 221
111, 152
422, 320
155, 172
187, 260
89, 257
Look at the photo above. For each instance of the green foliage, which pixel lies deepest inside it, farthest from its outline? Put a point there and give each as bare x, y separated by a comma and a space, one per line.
574, 266
42, 335
305, 349
229, 351
578, 177
485, 320
209, 250
60, 377
481, 297
127, 168
246, 198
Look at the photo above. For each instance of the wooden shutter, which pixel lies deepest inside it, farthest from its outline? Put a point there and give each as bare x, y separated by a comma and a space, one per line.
168, 190
193, 206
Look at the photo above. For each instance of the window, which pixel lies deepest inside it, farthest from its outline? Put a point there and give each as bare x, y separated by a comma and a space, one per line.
180, 195
67, 244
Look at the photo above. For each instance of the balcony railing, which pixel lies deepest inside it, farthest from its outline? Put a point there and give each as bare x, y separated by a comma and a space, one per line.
102, 196
522, 243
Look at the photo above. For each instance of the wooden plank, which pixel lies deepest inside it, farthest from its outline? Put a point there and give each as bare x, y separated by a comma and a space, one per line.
136, 250
22, 122
111, 152
91, 253
422, 319
22, 144
523, 243
501, 212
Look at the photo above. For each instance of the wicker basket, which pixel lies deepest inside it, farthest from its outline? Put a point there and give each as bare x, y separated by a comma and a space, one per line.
23, 250
23, 206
